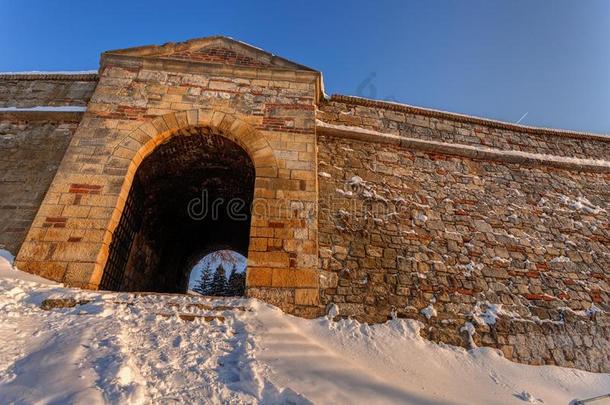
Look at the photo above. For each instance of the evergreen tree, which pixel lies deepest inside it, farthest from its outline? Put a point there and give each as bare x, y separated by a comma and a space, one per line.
240, 290
204, 284
219, 282
236, 285
231, 284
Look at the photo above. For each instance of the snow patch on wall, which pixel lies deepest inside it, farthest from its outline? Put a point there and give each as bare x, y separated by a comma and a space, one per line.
62, 108
429, 311
581, 204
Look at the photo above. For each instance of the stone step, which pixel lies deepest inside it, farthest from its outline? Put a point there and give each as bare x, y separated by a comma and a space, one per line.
192, 317
187, 308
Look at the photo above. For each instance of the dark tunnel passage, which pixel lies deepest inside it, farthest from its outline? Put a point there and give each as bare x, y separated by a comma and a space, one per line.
190, 196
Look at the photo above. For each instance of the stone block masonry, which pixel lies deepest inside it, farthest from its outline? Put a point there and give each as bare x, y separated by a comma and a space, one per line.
32, 90
30, 153
139, 102
32, 143
490, 233
431, 125
522, 252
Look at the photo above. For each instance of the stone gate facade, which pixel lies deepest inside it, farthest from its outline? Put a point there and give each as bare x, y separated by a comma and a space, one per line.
382, 209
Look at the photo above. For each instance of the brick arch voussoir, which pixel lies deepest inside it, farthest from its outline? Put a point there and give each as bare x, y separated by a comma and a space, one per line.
142, 141
245, 135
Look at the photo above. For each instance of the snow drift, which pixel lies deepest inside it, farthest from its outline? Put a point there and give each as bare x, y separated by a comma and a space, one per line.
139, 348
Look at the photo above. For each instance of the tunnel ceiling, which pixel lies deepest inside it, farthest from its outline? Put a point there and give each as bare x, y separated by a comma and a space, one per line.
180, 169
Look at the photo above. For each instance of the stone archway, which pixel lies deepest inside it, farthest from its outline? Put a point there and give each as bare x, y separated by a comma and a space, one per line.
71, 235
149, 137
192, 193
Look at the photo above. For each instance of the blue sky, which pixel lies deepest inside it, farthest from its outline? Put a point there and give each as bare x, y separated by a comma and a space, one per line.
498, 59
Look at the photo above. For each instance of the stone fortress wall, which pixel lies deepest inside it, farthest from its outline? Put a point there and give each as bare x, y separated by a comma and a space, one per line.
32, 143
490, 233
46, 89
416, 223
144, 97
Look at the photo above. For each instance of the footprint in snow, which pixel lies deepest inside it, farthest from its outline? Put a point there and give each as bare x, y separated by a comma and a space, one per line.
527, 397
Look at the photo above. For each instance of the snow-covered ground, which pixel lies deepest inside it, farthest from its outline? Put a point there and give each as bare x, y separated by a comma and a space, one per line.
129, 348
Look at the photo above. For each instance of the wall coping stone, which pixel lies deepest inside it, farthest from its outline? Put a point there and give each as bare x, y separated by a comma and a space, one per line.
473, 152
429, 112
51, 116
78, 77
169, 48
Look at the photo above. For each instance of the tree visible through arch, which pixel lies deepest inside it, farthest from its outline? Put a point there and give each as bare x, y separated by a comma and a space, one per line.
191, 194
220, 273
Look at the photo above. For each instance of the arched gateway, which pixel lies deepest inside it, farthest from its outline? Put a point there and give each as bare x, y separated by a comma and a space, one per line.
192, 193
179, 153
384, 210
190, 185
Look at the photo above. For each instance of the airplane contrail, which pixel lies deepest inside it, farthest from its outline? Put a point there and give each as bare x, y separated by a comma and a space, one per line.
523, 116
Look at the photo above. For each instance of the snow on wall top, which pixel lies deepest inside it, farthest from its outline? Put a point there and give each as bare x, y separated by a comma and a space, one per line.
86, 75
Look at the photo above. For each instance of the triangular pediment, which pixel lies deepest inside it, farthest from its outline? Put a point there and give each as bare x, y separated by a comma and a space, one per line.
215, 50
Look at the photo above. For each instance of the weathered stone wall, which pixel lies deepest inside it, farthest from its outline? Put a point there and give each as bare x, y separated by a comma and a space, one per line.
402, 230
33, 90
383, 209
32, 144
431, 125
30, 153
